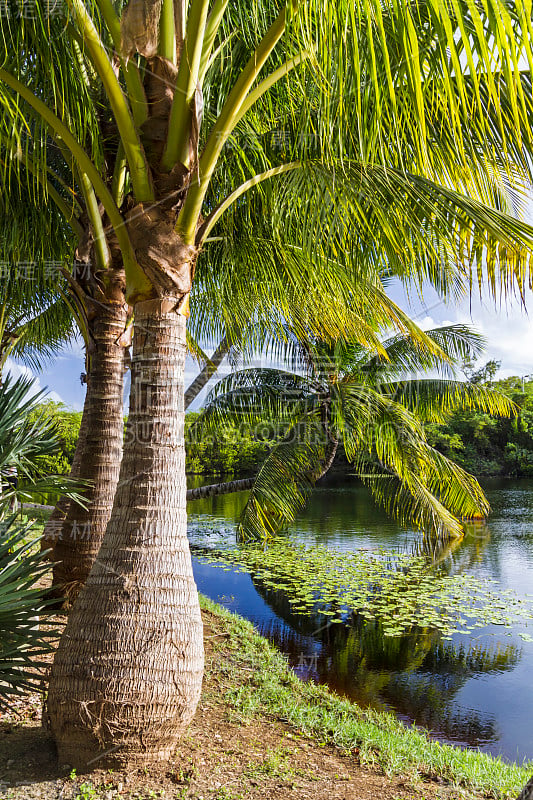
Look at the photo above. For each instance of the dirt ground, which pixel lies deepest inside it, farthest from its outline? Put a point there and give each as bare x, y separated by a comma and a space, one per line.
221, 758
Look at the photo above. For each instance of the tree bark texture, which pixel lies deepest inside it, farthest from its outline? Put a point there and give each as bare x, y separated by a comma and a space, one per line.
527, 791
98, 454
329, 458
127, 674
215, 489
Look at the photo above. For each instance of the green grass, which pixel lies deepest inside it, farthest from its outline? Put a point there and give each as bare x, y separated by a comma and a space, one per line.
381, 739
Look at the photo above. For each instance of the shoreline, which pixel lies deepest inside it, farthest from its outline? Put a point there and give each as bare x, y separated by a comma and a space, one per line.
261, 732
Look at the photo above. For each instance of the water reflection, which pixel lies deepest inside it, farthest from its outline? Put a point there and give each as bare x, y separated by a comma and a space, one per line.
474, 690
418, 675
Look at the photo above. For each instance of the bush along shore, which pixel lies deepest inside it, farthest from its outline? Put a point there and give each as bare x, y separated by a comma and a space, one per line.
261, 732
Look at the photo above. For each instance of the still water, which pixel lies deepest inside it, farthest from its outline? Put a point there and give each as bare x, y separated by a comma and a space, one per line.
475, 691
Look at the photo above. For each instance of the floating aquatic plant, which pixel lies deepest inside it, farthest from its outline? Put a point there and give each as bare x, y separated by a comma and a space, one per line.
401, 591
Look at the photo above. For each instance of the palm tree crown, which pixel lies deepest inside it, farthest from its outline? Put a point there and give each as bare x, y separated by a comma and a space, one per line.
373, 405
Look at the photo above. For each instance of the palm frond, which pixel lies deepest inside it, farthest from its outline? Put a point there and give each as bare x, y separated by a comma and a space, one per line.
285, 480
410, 226
26, 634
40, 337
253, 395
455, 343
433, 400
387, 445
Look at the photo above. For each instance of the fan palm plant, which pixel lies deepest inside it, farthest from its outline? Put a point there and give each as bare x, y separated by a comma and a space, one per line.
23, 609
372, 405
24, 438
164, 116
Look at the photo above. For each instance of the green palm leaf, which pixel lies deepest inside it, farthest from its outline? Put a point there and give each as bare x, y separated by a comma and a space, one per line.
285, 480
26, 635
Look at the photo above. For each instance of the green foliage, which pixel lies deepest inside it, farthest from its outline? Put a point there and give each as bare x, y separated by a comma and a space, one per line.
226, 449
25, 632
401, 591
35, 319
28, 437
486, 445
346, 394
67, 427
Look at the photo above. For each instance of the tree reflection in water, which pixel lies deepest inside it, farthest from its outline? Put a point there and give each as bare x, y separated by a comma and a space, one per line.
417, 674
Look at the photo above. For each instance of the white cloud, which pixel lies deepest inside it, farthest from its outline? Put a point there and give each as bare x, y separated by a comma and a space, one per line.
507, 328
16, 370
508, 332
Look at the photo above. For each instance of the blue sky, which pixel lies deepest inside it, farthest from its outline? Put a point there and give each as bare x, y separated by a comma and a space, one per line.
507, 328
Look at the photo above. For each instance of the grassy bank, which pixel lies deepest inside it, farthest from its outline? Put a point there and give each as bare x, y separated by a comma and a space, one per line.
378, 738
260, 733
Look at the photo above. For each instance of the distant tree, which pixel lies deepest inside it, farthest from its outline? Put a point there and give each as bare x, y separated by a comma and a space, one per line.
67, 426
485, 374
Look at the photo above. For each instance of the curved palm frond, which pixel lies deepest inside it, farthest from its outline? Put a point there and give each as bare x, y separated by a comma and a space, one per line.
40, 337
412, 221
285, 480
456, 343
251, 396
412, 480
433, 495
433, 400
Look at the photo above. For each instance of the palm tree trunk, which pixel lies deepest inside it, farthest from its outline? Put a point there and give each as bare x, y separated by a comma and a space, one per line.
98, 455
329, 457
214, 489
228, 487
207, 372
527, 791
127, 674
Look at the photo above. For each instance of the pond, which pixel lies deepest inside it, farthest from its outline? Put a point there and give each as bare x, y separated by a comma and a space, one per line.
475, 690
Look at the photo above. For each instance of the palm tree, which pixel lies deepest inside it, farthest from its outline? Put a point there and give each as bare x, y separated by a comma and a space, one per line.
35, 321
45, 231
370, 403
163, 122
95, 462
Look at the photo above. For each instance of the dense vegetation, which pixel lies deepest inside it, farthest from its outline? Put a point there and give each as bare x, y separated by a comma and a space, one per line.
234, 450
480, 443
67, 427
487, 445
229, 450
